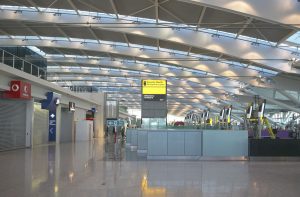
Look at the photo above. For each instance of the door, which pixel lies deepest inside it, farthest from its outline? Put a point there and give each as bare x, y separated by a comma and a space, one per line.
67, 119
40, 125
12, 124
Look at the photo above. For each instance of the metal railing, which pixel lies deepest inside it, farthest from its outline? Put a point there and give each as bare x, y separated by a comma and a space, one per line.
21, 64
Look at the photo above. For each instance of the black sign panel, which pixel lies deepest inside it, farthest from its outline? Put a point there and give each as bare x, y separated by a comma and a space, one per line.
154, 97
71, 106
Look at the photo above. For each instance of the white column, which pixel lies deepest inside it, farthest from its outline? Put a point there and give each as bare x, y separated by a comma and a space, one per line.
58, 123
99, 122
29, 123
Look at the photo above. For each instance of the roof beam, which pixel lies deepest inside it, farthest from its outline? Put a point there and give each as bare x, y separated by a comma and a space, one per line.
126, 38
15, 2
260, 33
31, 30
109, 55
201, 17
6, 33
189, 50
290, 97
94, 34
59, 51
156, 10
221, 69
162, 2
257, 9
141, 10
261, 93
49, 6
73, 6
220, 56
195, 79
114, 7
33, 4
283, 39
84, 53
228, 46
134, 84
248, 21
92, 7
62, 32
89, 76
171, 14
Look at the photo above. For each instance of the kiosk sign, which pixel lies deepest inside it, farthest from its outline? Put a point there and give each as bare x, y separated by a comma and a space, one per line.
19, 90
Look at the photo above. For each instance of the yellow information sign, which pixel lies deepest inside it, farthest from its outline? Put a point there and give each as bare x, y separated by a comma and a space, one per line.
154, 86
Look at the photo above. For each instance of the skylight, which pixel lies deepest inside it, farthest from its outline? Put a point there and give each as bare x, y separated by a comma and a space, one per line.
295, 38
100, 15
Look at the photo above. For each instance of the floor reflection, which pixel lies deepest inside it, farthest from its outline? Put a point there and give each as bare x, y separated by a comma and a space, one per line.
104, 168
151, 191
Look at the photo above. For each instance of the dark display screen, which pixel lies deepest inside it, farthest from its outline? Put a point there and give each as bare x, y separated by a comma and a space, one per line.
154, 97
71, 106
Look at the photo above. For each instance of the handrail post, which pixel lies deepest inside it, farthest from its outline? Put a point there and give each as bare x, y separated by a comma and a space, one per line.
31, 69
2, 56
23, 64
13, 61
38, 72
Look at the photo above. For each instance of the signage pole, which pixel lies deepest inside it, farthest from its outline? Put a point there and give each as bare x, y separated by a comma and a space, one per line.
52, 125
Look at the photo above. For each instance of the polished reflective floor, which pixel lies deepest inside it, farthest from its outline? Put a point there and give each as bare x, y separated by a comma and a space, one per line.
104, 168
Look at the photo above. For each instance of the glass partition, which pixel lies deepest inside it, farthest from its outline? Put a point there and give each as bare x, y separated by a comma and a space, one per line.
154, 123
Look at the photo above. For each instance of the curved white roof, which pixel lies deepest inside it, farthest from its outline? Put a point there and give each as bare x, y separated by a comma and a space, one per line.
208, 52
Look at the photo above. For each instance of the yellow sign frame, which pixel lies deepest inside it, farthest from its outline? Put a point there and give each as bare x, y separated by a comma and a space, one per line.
151, 86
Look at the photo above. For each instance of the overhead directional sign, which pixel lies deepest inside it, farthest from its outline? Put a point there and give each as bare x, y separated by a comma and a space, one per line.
115, 122
154, 86
154, 98
111, 122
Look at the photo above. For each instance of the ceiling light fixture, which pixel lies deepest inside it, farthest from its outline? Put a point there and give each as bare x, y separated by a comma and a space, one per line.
295, 63
56, 14
215, 35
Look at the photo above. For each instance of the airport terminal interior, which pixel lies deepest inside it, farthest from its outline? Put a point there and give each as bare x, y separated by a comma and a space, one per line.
149, 98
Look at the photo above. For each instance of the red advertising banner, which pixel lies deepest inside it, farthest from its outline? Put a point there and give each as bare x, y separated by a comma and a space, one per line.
19, 90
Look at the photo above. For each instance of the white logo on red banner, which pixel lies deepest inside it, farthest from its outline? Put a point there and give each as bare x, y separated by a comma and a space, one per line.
25, 89
15, 87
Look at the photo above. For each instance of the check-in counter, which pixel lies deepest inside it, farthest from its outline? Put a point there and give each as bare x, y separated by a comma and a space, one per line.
174, 144
131, 138
142, 141
225, 143
134, 139
128, 137
165, 144
274, 148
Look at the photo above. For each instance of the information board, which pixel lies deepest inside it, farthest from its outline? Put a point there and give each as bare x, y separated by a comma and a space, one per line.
154, 87
154, 98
